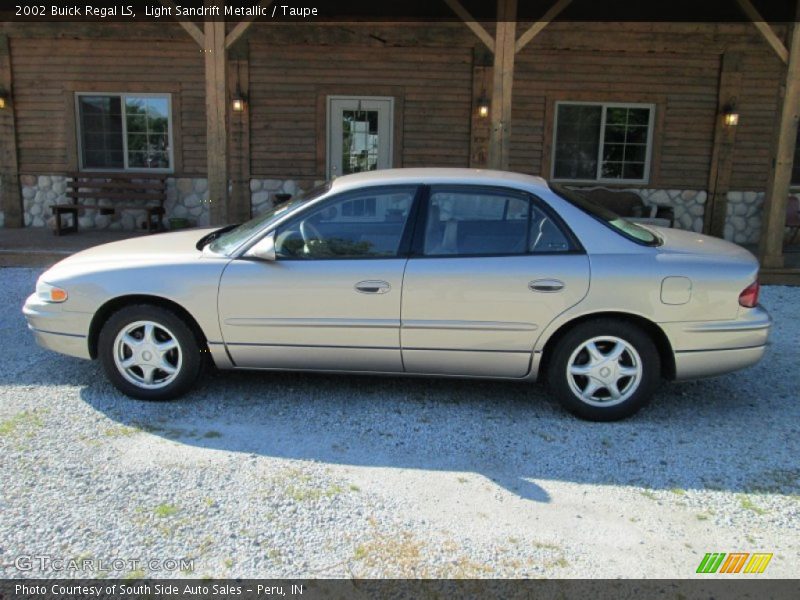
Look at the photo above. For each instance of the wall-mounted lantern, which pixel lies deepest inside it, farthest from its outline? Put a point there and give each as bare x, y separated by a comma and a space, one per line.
239, 101
730, 116
3, 98
483, 105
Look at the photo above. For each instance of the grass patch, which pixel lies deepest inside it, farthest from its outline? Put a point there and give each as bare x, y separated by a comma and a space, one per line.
678, 491
166, 510
648, 494
747, 504
135, 574
702, 517
26, 422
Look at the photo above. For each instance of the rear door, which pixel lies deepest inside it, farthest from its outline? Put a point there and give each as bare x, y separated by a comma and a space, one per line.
491, 268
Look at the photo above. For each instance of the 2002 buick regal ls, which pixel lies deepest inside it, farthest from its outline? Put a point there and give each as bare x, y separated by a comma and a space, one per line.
450, 272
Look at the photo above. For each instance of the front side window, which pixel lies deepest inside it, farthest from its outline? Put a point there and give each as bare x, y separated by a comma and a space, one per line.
124, 131
488, 222
362, 224
602, 142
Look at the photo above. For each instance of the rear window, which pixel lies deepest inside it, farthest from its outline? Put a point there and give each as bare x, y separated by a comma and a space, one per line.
629, 229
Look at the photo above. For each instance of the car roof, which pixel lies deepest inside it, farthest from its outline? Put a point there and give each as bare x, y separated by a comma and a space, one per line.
438, 175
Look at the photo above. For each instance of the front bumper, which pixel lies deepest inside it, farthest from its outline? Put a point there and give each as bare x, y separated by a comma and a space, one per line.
704, 349
58, 329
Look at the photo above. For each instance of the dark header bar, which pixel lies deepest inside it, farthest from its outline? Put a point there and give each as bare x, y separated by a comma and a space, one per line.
316, 589
333, 11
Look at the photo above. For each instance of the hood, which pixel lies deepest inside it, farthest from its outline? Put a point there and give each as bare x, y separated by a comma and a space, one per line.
165, 247
679, 241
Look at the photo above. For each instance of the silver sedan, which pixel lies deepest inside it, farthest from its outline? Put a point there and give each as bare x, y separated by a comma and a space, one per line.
441, 272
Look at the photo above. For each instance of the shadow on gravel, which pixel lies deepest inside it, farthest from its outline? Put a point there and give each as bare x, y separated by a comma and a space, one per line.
704, 435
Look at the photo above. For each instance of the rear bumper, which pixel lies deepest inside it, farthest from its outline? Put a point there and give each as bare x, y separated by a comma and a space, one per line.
704, 349
694, 365
57, 329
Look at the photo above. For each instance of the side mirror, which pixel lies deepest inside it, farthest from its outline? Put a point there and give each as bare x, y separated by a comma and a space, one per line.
264, 249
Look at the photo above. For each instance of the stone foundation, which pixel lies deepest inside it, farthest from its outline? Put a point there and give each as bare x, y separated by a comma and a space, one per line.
743, 217
187, 198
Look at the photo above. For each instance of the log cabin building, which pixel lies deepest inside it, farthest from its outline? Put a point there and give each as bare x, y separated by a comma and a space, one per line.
700, 117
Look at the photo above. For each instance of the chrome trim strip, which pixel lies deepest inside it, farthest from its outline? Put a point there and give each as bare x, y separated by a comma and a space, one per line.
469, 325
366, 323
253, 345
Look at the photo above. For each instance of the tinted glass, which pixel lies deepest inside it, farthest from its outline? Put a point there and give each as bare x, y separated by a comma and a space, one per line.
546, 235
630, 230
476, 223
101, 132
228, 242
363, 224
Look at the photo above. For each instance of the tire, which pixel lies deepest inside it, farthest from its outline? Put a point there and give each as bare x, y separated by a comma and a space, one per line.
611, 388
149, 352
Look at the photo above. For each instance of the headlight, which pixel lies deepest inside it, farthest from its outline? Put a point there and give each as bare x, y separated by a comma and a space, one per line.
50, 293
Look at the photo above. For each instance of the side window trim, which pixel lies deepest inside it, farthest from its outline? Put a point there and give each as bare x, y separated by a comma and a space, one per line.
405, 237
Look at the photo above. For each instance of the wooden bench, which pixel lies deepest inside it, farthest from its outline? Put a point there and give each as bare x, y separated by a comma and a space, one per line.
125, 191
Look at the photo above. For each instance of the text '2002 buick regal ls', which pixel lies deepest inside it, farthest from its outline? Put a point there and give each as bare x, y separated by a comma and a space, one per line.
441, 272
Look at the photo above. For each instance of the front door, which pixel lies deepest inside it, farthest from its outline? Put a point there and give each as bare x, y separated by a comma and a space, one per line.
496, 269
359, 134
331, 300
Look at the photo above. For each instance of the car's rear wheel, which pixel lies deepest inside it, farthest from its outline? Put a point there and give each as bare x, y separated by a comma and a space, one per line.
149, 352
604, 370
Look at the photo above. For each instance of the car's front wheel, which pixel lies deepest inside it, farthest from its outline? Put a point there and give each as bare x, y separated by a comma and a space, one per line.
604, 370
149, 352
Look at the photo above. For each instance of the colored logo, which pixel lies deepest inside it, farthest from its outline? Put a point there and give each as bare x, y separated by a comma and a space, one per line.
735, 562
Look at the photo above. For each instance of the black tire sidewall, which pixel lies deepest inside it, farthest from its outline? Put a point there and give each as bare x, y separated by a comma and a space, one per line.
190, 349
631, 333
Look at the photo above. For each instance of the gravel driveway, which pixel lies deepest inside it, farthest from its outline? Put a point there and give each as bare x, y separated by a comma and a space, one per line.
288, 475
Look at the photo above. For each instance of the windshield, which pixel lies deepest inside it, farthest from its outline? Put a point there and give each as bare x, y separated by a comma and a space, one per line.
229, 241
637, 233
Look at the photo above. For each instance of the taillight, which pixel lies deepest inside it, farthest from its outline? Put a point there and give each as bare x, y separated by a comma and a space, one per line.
749, 296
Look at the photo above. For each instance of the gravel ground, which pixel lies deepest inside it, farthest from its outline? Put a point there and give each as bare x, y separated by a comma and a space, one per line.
288, 475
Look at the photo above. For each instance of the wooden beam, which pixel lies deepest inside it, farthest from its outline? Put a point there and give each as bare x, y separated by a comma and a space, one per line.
10, 197
773, 220
537, 27
503, 82
239, 139
192, 29
479, 125
243, 25
476, 27
766, 31
716, 208
216, 121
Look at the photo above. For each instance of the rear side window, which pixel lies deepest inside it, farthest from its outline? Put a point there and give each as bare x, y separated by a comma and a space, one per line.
484, 222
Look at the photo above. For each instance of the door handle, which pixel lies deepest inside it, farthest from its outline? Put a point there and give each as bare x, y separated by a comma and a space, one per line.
373, 287
546, 285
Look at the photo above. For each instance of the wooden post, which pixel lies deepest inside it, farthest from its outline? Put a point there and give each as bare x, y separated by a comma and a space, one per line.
780, 176
504, 52
216, 121
479, 125
719, 177
239, 141
10, 197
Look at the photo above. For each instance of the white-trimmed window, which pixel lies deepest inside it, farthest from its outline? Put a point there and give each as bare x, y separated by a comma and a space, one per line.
124, 132
605, 142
